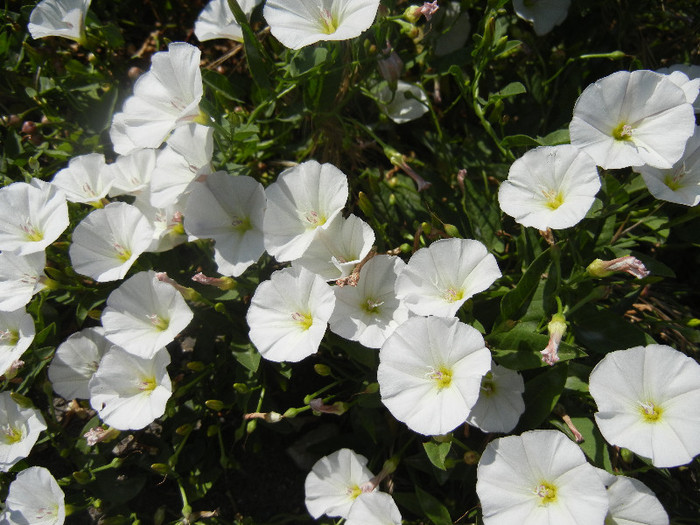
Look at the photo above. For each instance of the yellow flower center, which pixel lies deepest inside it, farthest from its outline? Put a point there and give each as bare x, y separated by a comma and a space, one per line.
354, 491
674, 182
442, 376
158, 322
329, 23
314, 220
123, 254
488, 387
9, 337
650, 412
623, 132
546, 492
32, 234
452, 296
148, 384
371, 306
241, 225
11, 435
554, 199
304, 320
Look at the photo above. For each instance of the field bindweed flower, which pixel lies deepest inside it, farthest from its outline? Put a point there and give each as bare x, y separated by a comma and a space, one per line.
167, 224
144, 314
76, 361
34, 498
540, 477
108, 241
16, 334
165, 97
229, 210
32, 216
299, 23
337, 249
631, 502
370, 311
84, 180
303, 199
217, 21
430, 372
632, 119
550, 187
21, 276
544, 14
686, 77
404, 104
681, 183
628, 264
289, 313
438, 279
19, 430
335, 482
64, 18
374, 508
500, 402
130, 174
130, 392
648, 401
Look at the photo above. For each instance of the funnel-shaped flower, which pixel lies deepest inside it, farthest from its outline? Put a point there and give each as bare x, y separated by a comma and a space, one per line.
85, 179
631, 502
430, 372
408, 102
687, 77
20, 278
550, 187
130, 174
374, 508
304, 198
544, 14
288, 314
16, 334
299, 23
632, 119
500, 402
217, 21
19, 430
32, 216
130, 392
438, 279
34, 498
649, 402
64, 18
540, 477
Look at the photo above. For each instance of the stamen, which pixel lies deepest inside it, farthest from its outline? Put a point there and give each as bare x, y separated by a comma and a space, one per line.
442, 377
241, 225
488, 387
314, 219
372, 305
328, 23
148, 384
158, 322
354, 492
32, 233
304, 320
650, 412
9, 337
623, 132
451, 295
554, 198
10, 435
123, 254
546, 492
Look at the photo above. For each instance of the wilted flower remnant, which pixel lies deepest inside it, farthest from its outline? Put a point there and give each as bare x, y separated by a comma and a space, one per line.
628, 264
557, 329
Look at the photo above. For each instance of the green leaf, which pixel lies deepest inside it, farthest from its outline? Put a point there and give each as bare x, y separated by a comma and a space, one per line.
541, 394
512, 89
437, 452
514, 303
602, 331
249, 359
560, 136
433, 509
519, 140
259, 63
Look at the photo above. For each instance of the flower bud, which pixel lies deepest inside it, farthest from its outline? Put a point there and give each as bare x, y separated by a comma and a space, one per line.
628, 264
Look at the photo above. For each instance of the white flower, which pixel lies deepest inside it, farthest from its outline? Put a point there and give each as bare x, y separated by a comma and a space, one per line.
687, 77
229, 210
76, 361
631, 119
144, 314
335, 481
34, 498
303, 198
337, 249
84, 180
299, 23
128, 391
438, 279
168, 230
374, 508
544, 14
130, 174
539, 478
631, 502
217, 21
550, 187
108, 241
681, 183
21, 276
288, 314
649, 402
453, 26
500, 402
408, 102
430, 372
16, 334
19, 430
165, 97
64, 18
370, 311
32, 216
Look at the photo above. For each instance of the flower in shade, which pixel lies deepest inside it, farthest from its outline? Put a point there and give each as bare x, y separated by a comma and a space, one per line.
85, 179
430, 372
34, 498
680, 183
16, 334
144, 314
109, 240
32, 216
337, 249
404, 104
217, 21
19, 429
632, 119
289, 313
438, 279
550, 187
229, 210
21, 276
544, 14
540, 477
631, 502
76, 361
687, 77
165, 97
128, 391
299, 23
130, 174
335, 482
370, 311
648, 401
500, 402
374, 508
64, 18
303, 199
168, 230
